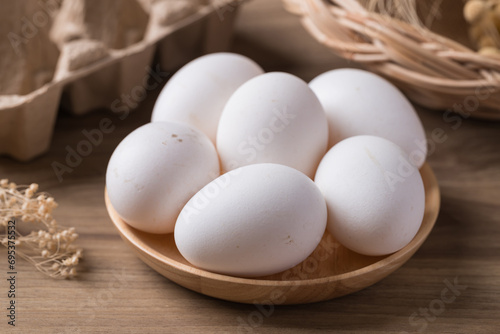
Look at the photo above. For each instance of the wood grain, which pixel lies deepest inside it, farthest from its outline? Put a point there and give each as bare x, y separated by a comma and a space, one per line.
117, 293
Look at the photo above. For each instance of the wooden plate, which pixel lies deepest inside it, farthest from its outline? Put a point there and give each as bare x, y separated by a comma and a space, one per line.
331, 271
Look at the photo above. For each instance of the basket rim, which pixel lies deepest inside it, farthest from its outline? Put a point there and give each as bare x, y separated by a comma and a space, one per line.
419, 60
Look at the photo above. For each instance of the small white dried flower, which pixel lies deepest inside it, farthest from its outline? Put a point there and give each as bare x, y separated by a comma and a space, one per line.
52, 244
42, 210
34, 187
29, 193
64, 273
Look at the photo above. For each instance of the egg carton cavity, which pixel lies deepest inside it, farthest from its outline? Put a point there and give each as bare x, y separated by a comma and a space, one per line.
84, 54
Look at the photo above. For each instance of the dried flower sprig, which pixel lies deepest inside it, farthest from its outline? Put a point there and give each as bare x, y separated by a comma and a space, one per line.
50, 249
483, 17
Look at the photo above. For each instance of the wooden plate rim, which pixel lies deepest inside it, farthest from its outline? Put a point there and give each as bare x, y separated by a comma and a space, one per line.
127, 232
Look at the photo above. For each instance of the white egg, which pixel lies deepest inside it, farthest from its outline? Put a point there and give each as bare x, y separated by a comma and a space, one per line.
375, 196
358, 102
155, 170
197, 93
253, 221
273, 118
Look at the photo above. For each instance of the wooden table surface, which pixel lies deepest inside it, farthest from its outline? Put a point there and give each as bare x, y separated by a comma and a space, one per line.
117, 293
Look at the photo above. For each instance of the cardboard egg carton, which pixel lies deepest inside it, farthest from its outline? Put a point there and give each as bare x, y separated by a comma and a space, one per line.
85, 54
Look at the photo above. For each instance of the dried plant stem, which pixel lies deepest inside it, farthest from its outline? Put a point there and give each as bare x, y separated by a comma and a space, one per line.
50, 249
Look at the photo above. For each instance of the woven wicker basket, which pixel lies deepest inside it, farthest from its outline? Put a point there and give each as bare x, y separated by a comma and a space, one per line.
432, 70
